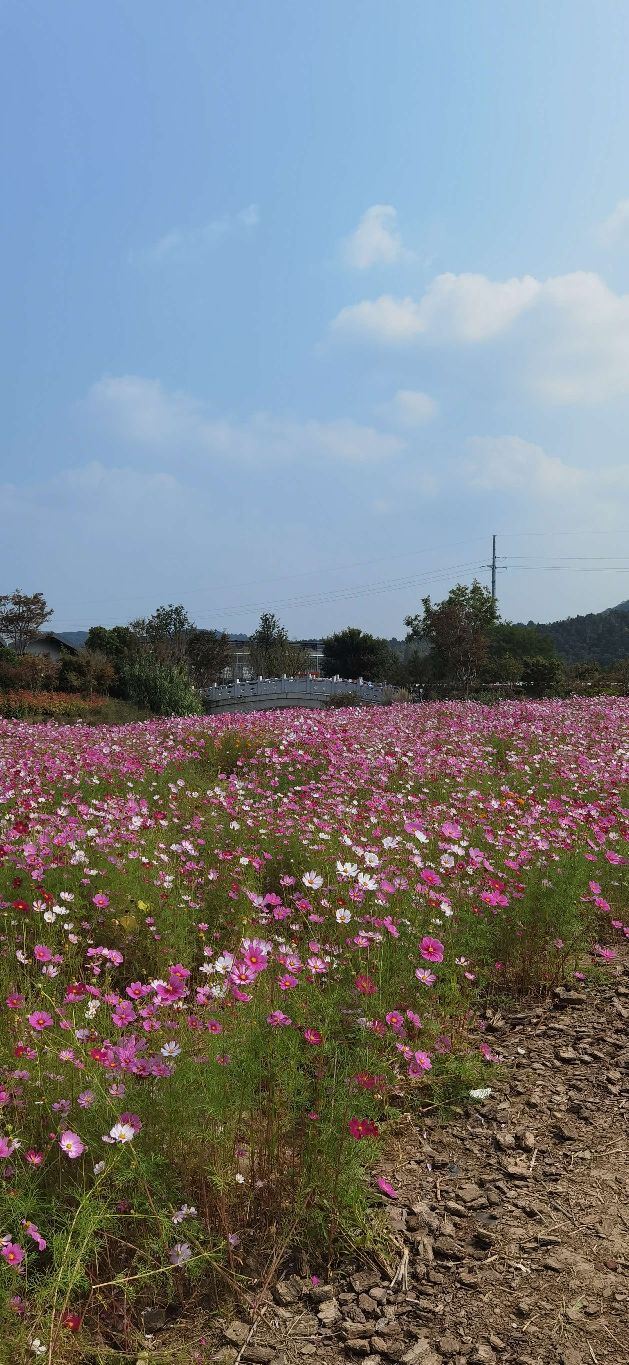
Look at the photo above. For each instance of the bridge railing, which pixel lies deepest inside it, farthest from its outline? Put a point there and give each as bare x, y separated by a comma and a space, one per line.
294, 687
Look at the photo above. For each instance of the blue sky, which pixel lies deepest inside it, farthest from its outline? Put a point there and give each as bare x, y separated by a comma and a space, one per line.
301, 302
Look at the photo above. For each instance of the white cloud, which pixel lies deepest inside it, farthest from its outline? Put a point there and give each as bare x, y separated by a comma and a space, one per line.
376, 240
469, 308
509, 464
410, 408
387, 319
574, 347
143, 414
180, 245
616, 227
456, 308
586, 496
580, 350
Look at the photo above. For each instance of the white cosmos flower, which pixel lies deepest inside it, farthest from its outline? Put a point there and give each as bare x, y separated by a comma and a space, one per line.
347, 869
366, 882
312, 880
171, 1049
372, 860
120, 1133
343, 916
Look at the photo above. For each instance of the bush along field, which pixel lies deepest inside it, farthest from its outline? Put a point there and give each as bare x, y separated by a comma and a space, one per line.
231, 948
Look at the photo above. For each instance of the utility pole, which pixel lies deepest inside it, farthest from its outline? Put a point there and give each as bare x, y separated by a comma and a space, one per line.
493, 569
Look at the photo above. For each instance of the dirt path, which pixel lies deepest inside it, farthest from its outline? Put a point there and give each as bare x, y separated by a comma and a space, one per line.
512, 1221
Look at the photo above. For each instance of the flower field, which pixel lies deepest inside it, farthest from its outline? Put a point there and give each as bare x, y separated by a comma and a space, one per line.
231, 948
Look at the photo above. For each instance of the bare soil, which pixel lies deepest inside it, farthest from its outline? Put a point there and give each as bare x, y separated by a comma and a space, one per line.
511, 1230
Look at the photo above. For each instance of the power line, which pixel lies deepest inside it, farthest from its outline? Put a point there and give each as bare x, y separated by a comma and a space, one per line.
340, 594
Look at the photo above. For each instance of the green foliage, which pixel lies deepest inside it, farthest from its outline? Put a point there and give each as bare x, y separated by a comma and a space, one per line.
543, 677
208, 655
117, 643
507, 640
458, 631
354, 653
602, 636
164, 689
272, 653
166, 633
86, 672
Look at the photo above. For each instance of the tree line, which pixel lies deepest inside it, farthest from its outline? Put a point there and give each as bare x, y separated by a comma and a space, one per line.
454, 648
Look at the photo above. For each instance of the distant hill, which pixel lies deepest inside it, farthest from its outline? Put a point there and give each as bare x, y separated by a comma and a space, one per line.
72, 637
602, 636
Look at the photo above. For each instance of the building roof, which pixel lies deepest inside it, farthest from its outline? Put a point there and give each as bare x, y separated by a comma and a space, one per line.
50, 636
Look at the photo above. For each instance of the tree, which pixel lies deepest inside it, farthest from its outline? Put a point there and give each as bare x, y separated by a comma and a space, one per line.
117, 643
543, 677
457, 631
166, 632
86, 672
272, 653
519, 642
354, 653
208, 655
22, 617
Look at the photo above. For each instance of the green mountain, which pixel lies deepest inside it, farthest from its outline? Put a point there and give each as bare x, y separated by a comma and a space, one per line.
602, 636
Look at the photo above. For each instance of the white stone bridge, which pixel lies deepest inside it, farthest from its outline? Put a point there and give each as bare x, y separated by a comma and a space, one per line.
270, 694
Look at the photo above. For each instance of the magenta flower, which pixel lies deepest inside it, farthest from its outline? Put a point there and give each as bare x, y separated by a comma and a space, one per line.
71, 1144
313, 1036
363, 1128
364, 985
40, 1020
605, 954
420, 1061
431, 949
386, 1187
13, 1253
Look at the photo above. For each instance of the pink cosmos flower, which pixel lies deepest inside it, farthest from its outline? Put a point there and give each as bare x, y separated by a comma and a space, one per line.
40, 1020
419, 1062
278, 1020
605, 954
33, 1231
41, 953
71, 1144
133, 1120
364, 985
34, 1158
362, 1128
100, 900
13, 1253
431, 949
386, 1187
313, 1036
424, 976
7, 1147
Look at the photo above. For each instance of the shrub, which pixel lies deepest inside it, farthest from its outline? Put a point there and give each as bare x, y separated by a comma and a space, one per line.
164, 689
